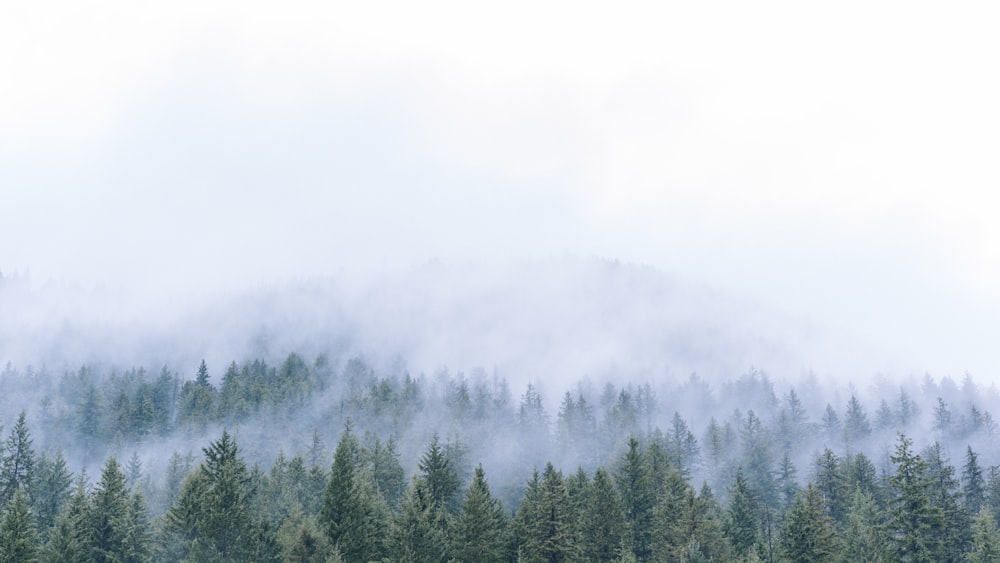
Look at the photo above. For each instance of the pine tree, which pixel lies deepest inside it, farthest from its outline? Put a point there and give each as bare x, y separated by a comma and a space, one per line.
69, 540
225, 523
442, 479
638, 500
17, 461
417, 535
985, 539
109, 514
856, 425
864, 537
478, 532
808, 534
603, 522
351, 516
18, 536
388, 473
830, 483
51, 489
913, 518
953, 535
301, 540
552, 539
973, 486
742, 523
137, 544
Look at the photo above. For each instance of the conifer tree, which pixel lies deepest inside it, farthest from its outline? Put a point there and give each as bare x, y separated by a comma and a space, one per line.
913, 518
18, 536
638, 500
50, 489
742, 522
603, 522
417, 535
985, 539
17, 461
442, 479
973, 486
552, 539
69, 540
864, 537
109, 514
301, 540
353, 516
856, 425
478, 531
808, 534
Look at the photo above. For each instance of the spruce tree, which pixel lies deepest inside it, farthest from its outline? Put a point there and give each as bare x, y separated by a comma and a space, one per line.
808, 534
51, 489
479, 529
18, 536
864, 537
17, 461
552, 538
742, 522
109, 513
442, 479
985, 539
973, 486
636, 487
353, 516
417, 535
913, 518
603, 522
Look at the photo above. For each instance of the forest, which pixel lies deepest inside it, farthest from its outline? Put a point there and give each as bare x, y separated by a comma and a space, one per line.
342, 460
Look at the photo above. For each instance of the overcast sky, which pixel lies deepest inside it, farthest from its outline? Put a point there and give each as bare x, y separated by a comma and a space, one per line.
834, 161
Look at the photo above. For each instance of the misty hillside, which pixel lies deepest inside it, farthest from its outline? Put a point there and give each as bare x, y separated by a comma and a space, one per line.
547, 322
415, 397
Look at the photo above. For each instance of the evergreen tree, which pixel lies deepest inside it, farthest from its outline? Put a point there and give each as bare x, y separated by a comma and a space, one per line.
638, 500
17, 461
603, 522
478, 532
18, 536
51, 489
442, 479
301, 540
417, 534
225, 523
137, 545
985, 539
856, 425
69, 540
864, 537
788, 485
973, 486
953, 535
109, 514
552, 539
388, 473
352, 517
831, 486
913, 519
742, 523
808, 534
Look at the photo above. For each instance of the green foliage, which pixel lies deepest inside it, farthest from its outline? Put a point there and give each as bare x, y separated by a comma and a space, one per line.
18, 537
17, 461
808, 534
479, 529
913, 519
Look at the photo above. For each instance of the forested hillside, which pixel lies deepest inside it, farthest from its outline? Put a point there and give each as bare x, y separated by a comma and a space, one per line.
332, 459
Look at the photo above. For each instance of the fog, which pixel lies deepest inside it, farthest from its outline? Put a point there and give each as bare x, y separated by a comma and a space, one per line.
711, 205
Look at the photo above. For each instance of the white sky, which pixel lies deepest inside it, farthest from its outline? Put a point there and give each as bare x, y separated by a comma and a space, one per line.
837, 161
